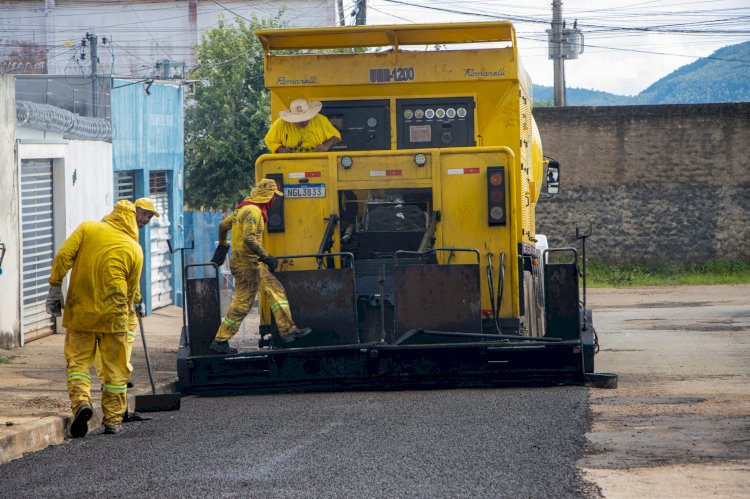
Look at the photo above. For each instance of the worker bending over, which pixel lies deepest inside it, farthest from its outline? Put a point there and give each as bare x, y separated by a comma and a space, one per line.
247, 224
106, 261
302, 129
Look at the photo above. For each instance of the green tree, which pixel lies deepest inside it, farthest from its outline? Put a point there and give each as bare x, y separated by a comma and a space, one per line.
228, 116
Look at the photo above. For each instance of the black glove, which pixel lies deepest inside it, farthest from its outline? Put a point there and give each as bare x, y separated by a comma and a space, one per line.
271, 261
220, 254
54, 303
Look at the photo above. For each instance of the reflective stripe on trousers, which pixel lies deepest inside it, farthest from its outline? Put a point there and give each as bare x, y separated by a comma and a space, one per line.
80, 348
246, 283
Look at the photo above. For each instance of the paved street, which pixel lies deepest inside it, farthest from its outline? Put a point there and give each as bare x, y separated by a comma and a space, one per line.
439, 443
676, 426
679, 423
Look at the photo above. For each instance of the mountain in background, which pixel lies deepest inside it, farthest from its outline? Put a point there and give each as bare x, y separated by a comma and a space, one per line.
714, 79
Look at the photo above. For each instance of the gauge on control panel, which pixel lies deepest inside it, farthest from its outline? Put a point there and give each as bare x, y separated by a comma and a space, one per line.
372, 122
437, 122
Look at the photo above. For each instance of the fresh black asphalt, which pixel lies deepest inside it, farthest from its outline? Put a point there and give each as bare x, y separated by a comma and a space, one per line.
511, 442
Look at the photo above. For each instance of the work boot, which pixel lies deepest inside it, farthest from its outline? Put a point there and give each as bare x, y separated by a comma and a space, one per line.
296, 334
80, 425
112, 429
221, 347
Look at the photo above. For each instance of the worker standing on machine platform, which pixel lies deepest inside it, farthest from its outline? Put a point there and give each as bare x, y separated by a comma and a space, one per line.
106, 260
302, 129
247, 224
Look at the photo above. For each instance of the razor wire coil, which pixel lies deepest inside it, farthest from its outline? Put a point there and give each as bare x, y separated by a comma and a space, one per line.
54, 119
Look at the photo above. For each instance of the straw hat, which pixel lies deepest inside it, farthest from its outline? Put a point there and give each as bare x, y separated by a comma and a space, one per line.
300, 110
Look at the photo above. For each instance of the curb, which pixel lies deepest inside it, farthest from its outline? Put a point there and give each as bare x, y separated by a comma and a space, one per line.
53, 430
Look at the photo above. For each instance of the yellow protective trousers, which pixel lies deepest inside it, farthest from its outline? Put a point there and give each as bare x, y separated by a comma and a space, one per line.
80, 348
128, 351
246, 282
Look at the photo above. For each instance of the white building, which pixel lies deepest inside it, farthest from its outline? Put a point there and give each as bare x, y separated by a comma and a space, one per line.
49, 185
45, 36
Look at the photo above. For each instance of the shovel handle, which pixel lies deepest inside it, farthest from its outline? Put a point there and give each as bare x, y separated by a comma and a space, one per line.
145, 351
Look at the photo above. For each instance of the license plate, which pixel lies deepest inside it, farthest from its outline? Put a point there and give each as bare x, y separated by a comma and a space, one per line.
305, 191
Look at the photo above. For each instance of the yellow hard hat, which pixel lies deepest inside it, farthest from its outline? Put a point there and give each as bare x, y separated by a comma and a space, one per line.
147, 204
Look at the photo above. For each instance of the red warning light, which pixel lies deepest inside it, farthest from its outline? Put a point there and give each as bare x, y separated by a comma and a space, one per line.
496, 195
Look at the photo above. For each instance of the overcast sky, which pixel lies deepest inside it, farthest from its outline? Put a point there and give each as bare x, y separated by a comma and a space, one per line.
629, 44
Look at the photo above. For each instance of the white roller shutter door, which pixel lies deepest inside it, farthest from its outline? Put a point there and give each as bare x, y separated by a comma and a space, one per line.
38, 248
161, 259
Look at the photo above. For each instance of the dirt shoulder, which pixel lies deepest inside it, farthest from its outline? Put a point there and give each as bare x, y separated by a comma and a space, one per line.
678, 425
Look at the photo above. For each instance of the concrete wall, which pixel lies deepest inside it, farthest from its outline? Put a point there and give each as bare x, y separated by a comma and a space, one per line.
10, 283
657, 182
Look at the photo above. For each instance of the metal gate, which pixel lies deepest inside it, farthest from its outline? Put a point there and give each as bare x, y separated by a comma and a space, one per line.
161, 259
37, 246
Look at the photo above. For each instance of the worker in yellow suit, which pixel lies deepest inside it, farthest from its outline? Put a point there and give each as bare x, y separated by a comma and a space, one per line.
106, 260
145, 210
302, 129
251, 266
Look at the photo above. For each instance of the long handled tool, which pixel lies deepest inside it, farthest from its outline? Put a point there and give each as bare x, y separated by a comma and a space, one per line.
154, 402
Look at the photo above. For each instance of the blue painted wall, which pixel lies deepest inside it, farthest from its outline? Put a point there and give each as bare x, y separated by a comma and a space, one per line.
202, 230
149, 136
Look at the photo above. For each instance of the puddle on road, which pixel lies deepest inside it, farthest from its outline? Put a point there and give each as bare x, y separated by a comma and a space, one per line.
649, 401
708, 327
669, 304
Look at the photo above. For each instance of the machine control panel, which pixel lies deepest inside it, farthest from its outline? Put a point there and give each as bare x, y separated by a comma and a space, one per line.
440, 122
364, 125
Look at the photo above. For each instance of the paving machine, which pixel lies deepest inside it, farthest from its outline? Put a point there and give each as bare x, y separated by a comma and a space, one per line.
410, 249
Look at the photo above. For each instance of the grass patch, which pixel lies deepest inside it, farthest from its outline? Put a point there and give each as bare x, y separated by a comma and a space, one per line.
4, 360
667, 274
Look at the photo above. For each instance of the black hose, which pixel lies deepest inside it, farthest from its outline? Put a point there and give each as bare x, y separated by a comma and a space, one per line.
500, 284
490, 280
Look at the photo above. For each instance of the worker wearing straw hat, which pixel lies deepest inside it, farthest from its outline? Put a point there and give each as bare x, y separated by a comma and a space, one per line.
302, 129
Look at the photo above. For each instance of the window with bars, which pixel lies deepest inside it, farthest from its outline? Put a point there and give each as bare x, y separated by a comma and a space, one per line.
158, 183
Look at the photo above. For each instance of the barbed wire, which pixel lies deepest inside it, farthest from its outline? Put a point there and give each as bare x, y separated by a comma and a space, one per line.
54, 119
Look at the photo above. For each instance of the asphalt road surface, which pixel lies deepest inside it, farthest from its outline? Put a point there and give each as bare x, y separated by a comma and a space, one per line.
512, 442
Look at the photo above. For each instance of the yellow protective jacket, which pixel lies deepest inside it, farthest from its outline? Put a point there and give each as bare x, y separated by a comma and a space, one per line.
132, 317
247, 226
307, 138
106, 260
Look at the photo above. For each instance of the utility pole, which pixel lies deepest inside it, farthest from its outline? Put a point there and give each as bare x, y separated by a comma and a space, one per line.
557, 53
92, 39
564, 43
361, 13
340, 5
